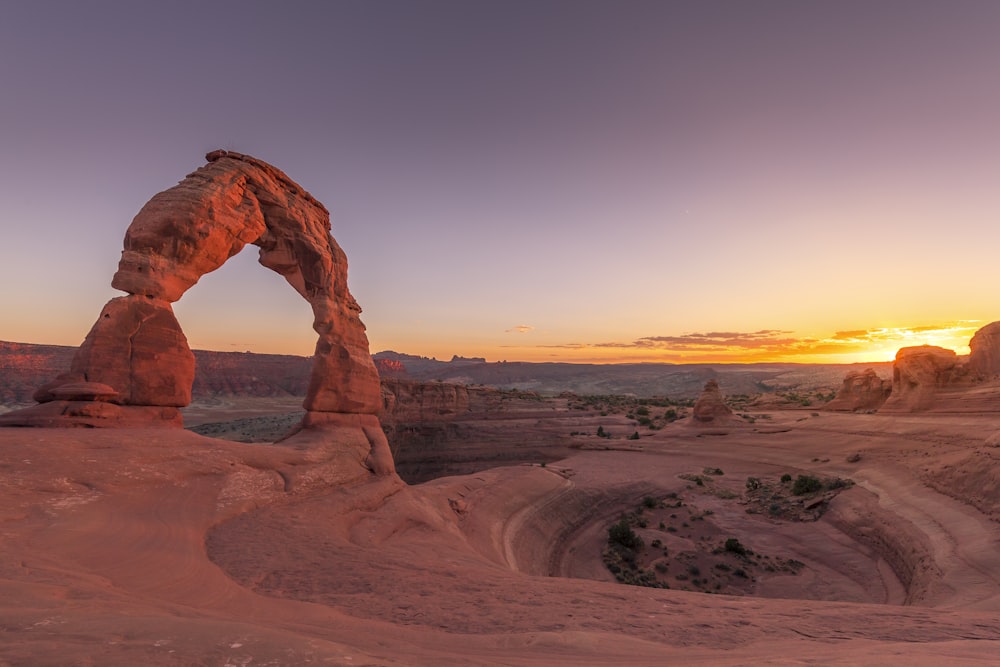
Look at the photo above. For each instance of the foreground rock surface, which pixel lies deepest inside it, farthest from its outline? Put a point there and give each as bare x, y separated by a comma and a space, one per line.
165, 548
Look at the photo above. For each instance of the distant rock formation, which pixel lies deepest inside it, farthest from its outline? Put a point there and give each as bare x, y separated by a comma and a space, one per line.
918, 374
984, 359
410, 401
137, 348
710, 407
390, 368
862, 391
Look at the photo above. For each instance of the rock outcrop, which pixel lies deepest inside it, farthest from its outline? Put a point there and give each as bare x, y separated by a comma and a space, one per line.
862, 391
918, 374
984, 359
138, 350
710, 408
411, 401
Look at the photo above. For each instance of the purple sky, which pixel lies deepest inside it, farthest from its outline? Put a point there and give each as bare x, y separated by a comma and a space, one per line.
526, 180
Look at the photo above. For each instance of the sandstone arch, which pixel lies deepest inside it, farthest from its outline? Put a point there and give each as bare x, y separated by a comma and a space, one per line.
135, 367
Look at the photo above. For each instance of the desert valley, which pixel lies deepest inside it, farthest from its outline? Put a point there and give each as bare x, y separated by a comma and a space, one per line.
165, 507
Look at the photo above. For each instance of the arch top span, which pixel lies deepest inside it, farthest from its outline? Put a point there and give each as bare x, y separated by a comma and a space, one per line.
136, 355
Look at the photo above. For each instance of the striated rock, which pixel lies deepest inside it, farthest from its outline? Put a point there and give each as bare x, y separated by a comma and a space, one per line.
918, 374
137, 349
861, 391
710, 406
984, 359
410, 401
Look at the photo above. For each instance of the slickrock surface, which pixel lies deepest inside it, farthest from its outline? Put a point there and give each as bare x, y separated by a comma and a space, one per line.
162, 547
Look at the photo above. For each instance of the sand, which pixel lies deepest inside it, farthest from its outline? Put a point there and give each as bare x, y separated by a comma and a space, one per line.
162, 547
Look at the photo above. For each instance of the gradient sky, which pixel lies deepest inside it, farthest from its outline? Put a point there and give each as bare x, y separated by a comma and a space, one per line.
592, 181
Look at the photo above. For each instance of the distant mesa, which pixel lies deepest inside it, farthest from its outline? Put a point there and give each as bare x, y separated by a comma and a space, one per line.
862, 391
711, 408
135, 367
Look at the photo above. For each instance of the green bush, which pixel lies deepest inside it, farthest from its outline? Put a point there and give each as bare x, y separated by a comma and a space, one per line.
622, 535
806, 484
733, 546
786, 478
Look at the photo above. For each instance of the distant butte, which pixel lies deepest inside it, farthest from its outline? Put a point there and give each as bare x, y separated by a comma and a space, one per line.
135, 368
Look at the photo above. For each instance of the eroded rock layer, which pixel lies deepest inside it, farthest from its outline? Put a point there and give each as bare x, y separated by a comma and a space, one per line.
861, 391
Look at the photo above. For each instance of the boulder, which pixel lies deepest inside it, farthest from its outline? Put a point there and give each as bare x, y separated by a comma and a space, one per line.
862, 391
710, 406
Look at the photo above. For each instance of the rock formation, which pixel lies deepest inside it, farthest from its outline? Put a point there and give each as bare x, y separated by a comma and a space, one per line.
984, 359
137, 349
710, 406
918, 374
862, 391
411, 401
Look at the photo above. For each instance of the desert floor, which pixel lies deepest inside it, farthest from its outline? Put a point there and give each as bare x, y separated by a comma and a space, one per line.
163, 547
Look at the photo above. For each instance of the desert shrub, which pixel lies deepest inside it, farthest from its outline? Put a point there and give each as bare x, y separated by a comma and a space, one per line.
649, 502
694, 570
634, 436
642, 410
734, 546
753, 483
600, 432
806, 484
670, 415
786, 478
622, 535
713, 471
656, 544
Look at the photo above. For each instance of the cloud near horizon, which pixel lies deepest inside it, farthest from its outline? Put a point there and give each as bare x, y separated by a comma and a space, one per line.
778, 344
520, 328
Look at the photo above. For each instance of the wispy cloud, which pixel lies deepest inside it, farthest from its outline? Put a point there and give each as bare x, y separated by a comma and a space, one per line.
520, 328
779, 344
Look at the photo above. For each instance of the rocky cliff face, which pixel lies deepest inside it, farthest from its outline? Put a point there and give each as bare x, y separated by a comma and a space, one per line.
862, 391
919, 375
410, 401
984, 360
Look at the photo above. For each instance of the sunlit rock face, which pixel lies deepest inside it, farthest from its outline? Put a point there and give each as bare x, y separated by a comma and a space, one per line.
138, 350
710, 406
984, 359
918, 374
862, 391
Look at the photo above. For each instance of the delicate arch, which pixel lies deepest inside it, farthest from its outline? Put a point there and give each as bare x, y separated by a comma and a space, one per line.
136, 354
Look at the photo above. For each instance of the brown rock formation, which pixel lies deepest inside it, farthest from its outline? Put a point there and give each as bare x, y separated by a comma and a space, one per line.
410, 401
918, 374
137, 348
710, 406
984, 360
861, 391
